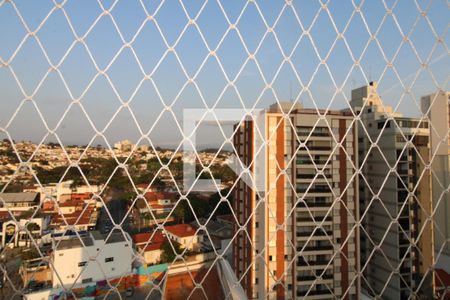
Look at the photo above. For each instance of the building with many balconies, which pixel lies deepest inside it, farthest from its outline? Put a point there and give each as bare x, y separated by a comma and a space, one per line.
300, 239
395, 193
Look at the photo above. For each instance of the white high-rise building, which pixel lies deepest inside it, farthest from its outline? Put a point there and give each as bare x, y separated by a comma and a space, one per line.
395, 199
437, 107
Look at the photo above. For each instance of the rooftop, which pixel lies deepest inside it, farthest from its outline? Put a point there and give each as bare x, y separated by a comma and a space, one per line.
181, 230
19, 197
149, 241
153, 237
88, 240
155, 196
180, 286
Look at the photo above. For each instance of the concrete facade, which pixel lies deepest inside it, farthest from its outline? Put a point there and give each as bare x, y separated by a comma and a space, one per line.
307, 212
395, 197
437, 108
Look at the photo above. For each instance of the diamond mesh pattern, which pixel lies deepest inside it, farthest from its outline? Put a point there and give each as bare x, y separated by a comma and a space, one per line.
88, 65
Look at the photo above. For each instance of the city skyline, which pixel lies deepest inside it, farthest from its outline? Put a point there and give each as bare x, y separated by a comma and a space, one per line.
103, 42
217, 149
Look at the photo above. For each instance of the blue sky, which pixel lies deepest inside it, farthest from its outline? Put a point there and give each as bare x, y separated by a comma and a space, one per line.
101, 103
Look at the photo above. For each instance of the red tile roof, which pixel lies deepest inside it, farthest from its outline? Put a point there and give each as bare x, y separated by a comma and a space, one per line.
442, 278
181, 230
148, 241
155, 196
79, 217
71, 202
142, 238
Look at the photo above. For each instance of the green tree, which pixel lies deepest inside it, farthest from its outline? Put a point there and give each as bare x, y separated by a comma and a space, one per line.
180, 211
224, 208
168, 254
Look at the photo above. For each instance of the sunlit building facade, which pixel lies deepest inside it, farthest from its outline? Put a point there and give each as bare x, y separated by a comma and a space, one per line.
299, 238
395, 193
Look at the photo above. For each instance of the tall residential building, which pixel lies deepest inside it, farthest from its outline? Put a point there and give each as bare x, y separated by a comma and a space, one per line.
395, 193
299, 239
437, 107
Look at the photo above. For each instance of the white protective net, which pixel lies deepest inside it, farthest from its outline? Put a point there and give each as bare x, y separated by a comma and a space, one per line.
324, 124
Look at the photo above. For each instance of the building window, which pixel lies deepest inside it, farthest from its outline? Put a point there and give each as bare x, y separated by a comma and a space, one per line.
270, 257
109, 259
87, 280
82, 264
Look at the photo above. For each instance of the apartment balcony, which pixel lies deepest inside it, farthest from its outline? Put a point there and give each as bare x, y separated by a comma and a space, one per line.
313, 133
317, 236
319, 179
311, 206
314, 219
318, 191
312, 176
316, 150
313, 263
316, 250
307, 162
317, 233
311, 279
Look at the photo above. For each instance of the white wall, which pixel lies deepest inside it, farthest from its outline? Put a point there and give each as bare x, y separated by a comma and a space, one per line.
66, 263
152, 257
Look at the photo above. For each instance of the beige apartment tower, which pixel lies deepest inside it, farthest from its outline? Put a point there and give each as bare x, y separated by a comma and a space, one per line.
300, 239
395, 200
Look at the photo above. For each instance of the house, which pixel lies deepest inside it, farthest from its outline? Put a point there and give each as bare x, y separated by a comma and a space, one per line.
79, 264
90, 259
159, 202
54, 191
12, 236
19, 201
74, 217
149, 245
186, 235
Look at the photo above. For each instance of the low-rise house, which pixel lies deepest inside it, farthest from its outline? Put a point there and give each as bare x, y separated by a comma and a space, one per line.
54, 191
77, 264
14, 230
36, 270
91, 259
158, 202
19, 201
186, 235
78, 218
149, 245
